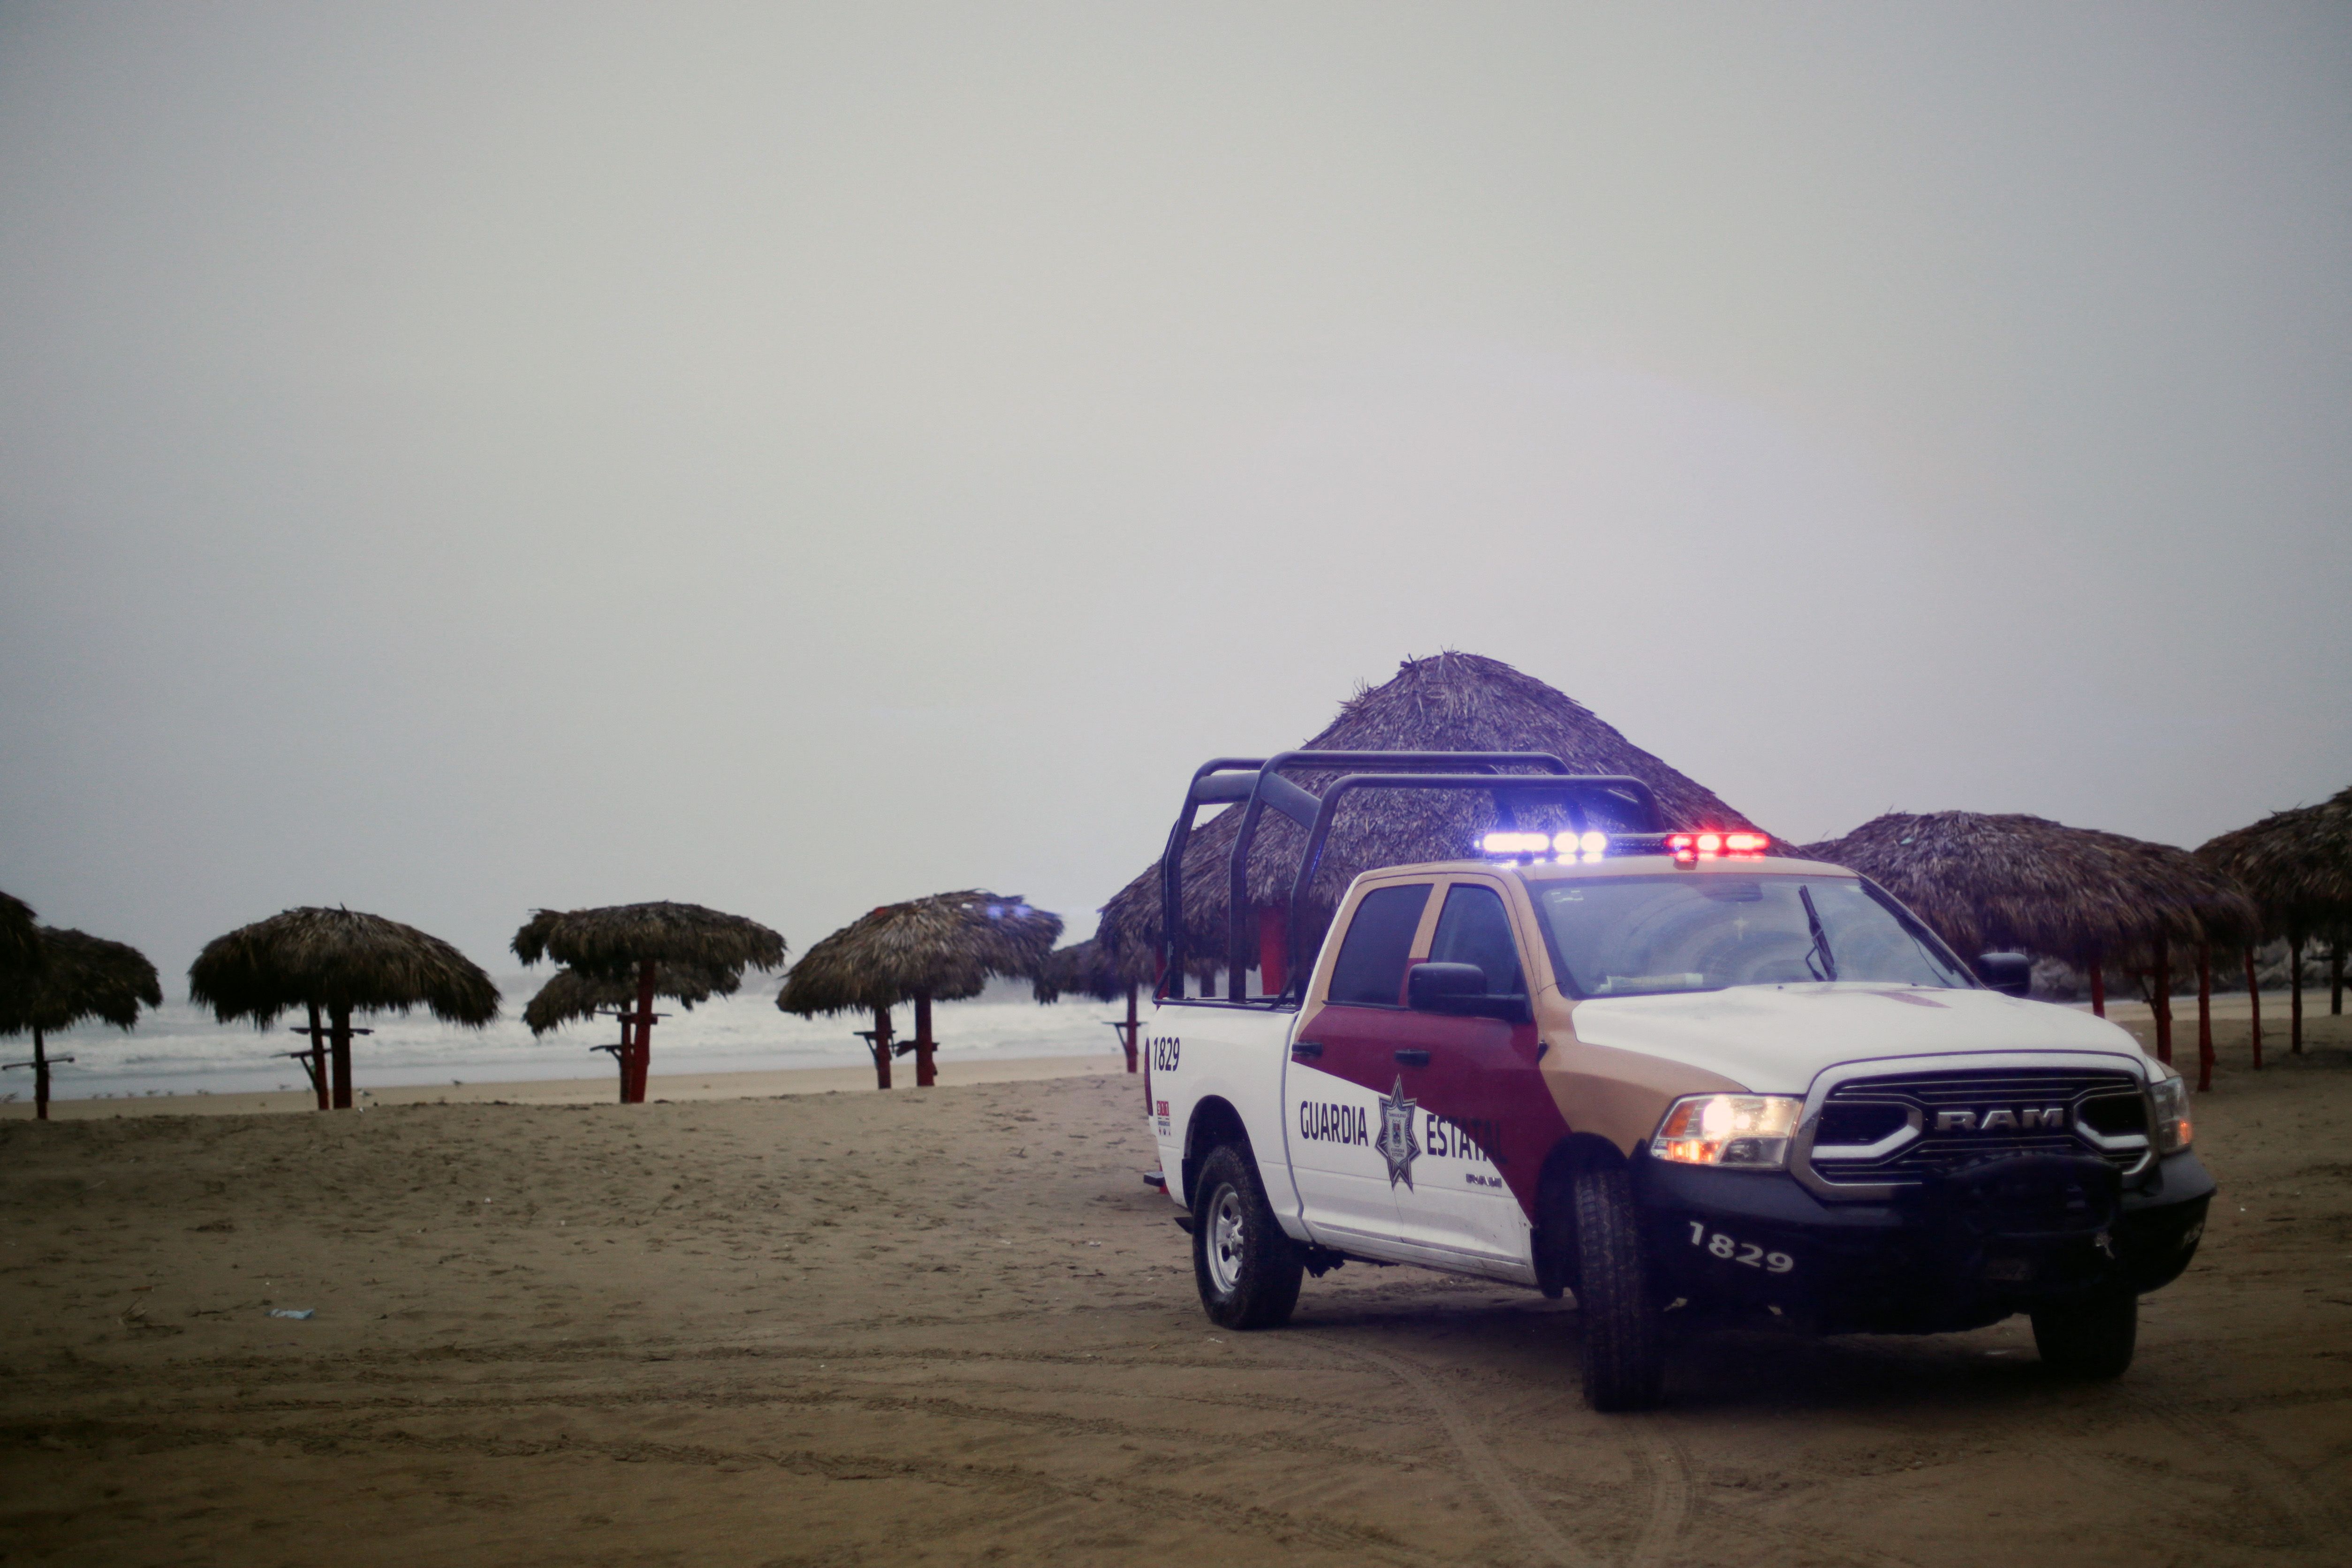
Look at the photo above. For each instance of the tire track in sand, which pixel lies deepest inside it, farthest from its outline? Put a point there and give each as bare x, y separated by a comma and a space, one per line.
1668, 1463
1546, 1543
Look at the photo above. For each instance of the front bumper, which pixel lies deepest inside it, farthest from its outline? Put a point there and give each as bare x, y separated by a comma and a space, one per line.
1926, 1260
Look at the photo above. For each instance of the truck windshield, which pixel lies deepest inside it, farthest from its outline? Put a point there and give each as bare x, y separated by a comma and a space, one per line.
1645, 936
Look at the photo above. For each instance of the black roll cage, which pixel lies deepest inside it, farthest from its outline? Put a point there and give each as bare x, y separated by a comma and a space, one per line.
1259, 783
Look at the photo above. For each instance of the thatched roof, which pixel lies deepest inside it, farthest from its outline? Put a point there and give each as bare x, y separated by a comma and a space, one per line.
949, 945
1990, 882
1089, 968
612, 941
80, 977
1452, 702
569, 995
20, 941
338, 958
2297, 865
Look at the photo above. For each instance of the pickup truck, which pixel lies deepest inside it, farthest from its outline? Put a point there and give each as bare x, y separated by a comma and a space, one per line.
1688, 1080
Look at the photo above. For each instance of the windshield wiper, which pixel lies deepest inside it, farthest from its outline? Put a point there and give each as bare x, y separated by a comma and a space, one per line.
1827, 969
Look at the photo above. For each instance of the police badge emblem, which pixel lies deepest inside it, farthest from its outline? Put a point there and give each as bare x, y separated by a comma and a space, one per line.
1396, 1142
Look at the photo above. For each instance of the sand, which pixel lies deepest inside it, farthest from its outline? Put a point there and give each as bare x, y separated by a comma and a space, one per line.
955, 1327
598, 1090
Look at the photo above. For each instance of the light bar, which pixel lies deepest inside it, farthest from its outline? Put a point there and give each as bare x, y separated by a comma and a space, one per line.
1707, 844
1514, 843
1590, 843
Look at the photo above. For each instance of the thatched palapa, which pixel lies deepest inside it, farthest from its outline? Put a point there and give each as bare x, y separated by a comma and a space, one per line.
20, 942
2298, 865
941, 948
1452, 702
2015, 881
630, 945
569, 995
75, 977
338, 962
1096, 968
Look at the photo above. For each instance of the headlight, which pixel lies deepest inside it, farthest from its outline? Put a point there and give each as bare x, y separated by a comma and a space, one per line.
2170, 1128
1747, 1131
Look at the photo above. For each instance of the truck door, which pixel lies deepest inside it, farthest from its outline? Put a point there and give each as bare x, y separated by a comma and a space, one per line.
1472, 1078
1332, 1112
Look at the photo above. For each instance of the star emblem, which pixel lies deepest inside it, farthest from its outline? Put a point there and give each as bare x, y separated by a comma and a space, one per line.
1396, 1142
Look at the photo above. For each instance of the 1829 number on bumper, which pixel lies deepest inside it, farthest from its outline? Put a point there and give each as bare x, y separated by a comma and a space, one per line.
1730, 1248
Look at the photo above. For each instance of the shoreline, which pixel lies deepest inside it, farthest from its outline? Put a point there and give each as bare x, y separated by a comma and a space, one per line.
773, 1083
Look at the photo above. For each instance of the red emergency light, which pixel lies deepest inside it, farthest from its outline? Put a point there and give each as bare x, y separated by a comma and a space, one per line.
1710, 843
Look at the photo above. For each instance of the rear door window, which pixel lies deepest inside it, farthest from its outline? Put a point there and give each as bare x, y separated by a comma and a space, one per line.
1370, 971
1475, 928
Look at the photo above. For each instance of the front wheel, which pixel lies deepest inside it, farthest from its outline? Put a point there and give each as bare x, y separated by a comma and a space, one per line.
1247, 1270
2088, 1337
1624, 1364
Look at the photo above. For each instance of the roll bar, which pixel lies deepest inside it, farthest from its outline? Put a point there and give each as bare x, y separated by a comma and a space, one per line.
1259, 783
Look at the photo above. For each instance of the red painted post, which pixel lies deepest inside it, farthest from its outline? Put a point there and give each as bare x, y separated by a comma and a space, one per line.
881, 1047
1128, 1038
640, 1059
40, 1077
340, 1014
2254, 1006
2099, 985
2162, 991
319, 1058
2204, 1017
927, 1073
1273, 953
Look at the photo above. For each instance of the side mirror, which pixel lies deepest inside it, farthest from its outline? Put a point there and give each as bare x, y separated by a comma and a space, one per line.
1458, 991
2011, 974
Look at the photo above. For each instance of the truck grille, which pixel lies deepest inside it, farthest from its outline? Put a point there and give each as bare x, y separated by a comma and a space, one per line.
1904, 1128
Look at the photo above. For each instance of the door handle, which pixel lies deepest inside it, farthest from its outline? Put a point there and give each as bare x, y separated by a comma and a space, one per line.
1302, 1050
1412, 1058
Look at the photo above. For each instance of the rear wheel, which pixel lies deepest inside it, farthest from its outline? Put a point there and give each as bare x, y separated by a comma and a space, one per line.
1247, 1270
1624, 1364
2090, 1336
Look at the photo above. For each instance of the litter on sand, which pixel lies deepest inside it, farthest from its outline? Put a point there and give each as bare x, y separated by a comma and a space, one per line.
304, 1314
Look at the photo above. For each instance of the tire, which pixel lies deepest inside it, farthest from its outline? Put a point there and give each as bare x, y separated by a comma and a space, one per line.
1624, 1362
2090, 1336
1247, 1270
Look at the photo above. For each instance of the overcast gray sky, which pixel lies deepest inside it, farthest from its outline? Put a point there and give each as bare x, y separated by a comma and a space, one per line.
458, 459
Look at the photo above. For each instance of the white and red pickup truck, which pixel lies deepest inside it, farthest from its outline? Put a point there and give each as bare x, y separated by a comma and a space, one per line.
1687, 1080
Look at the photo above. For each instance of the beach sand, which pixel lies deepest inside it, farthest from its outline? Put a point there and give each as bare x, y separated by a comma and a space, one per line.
954, 1326
600, 1090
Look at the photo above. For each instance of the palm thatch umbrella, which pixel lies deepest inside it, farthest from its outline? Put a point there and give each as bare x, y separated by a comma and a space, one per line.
941, 948
1986, 881
625, 943
20, 941
2298, 865
75, 976
337, 962
1452, 702
1097, 968
570, 994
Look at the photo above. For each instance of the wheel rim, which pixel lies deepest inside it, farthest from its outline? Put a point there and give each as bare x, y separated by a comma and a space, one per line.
1225, 1240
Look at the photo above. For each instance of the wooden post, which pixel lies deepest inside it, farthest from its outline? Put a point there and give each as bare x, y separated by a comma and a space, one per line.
2099, 984
1126, 1036
1273, 953
341, 1013
2336, 979
319, 1058
40, 1077
2294, 992
927, 1073
2162, 992
641, 1057
2254, 1006
2204, 1016
881, 1043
